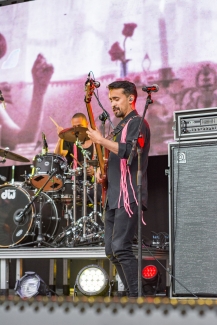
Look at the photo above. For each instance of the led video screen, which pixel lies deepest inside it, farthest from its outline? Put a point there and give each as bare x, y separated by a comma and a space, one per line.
48, 48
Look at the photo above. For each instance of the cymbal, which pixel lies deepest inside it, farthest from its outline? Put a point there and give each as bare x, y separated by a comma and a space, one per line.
13, 156
74, 133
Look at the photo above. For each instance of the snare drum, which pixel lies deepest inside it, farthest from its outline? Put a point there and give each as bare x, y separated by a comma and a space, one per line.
13, 200
43, 166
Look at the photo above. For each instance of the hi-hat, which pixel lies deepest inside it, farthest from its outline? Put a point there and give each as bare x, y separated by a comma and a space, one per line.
13, 156
74, 133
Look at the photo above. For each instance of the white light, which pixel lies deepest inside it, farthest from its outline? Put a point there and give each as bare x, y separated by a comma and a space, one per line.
92, 280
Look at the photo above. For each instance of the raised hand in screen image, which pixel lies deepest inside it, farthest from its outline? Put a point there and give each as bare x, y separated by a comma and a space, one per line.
12, 132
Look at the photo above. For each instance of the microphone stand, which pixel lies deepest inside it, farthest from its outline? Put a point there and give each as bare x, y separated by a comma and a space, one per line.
139, 187
105, 115
19, 218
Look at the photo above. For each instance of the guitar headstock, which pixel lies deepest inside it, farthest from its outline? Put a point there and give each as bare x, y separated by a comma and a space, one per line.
89, 89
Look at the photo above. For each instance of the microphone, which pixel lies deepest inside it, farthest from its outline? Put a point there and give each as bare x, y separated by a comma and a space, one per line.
19, 217
96, 83
149, 89
2, 100
92, 81
3, 178
45, 146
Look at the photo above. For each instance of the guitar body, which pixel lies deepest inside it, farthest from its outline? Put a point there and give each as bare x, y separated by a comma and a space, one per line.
89, 87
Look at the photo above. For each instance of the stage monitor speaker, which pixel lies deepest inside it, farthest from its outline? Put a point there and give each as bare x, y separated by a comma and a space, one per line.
193, 217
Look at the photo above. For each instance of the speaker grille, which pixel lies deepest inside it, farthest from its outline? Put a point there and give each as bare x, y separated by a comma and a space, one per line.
194, 217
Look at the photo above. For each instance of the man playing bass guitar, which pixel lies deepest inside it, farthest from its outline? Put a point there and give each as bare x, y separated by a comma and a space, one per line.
121, 215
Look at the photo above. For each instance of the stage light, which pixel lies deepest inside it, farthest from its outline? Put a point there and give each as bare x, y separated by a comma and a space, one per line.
31, 285
92, 280
151, 279
150, 273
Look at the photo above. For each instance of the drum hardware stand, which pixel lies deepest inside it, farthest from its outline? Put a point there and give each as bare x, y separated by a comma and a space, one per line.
73, 173
94, 163
67, 214
67, 217
84, 223
40, 238
12, 174
86, 155
74, 198
85, 217
93, 215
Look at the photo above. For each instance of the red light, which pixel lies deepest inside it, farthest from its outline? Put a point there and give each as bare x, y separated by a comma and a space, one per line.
141, 141
149, 272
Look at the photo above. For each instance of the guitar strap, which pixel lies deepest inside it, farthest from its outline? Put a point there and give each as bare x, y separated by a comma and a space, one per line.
119, 128
112, 136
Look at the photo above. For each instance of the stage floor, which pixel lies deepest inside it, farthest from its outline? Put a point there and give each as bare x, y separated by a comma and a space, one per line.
105, 310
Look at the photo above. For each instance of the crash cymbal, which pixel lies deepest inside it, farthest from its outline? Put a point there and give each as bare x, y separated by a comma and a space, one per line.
74, 133
13, 156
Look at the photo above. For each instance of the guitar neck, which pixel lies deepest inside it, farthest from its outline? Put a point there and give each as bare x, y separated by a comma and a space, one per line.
98, 147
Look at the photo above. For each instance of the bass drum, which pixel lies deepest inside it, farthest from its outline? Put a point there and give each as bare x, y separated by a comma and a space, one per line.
13, 200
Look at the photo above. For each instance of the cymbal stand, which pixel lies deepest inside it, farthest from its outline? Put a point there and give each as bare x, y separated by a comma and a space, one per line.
74, 173
19, 218
40, 237
67, 214
98, 230
86, 156
75, 196
94, 163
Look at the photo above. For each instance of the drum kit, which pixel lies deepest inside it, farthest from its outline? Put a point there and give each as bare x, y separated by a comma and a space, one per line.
29, 214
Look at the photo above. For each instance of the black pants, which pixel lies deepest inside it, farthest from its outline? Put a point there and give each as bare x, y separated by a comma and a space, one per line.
119, 234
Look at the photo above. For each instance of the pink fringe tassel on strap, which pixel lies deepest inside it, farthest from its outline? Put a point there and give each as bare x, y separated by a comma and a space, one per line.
123, 181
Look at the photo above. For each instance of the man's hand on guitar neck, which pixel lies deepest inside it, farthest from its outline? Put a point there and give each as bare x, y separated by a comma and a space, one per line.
98, 175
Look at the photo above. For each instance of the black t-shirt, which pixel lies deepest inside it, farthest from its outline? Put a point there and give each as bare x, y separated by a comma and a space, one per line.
69, 146
114, 171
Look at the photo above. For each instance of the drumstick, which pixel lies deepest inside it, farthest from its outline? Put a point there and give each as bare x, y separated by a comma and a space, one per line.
75, 159
54, 121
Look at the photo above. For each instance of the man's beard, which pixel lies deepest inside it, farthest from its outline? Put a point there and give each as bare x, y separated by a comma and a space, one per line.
117, 112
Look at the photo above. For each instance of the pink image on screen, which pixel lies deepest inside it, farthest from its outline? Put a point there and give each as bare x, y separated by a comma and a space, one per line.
48, 52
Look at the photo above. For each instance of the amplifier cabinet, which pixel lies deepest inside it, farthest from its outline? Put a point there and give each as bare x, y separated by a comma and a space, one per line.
195, 124
193, 217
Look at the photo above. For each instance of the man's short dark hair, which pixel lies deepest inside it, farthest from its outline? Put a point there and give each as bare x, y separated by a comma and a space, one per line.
77, 115
128, 87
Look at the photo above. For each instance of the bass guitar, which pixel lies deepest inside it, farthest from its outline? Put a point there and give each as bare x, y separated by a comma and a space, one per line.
103, 161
